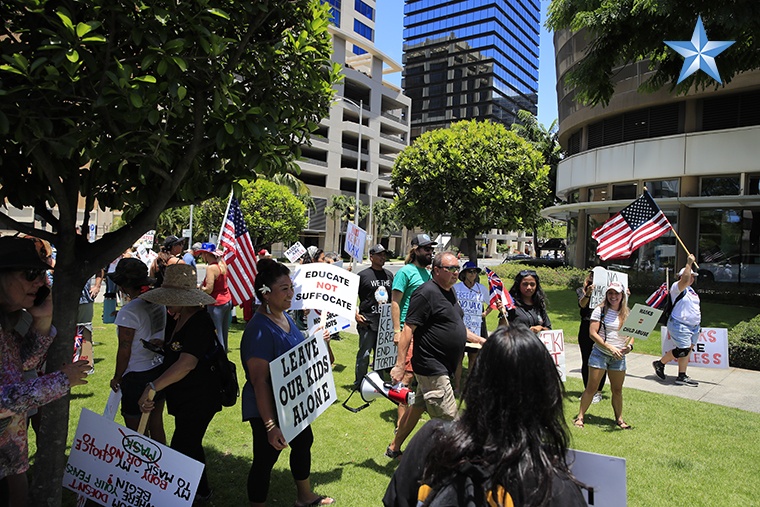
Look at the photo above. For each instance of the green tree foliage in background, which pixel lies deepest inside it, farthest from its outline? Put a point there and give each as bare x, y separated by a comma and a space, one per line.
627, 31
386, 218
271, 212
341, 209
143, 106
468, 179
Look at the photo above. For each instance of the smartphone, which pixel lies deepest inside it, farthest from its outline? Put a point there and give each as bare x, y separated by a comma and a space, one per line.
153, 348
42, 295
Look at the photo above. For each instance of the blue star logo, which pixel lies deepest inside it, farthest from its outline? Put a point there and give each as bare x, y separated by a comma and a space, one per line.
699, 53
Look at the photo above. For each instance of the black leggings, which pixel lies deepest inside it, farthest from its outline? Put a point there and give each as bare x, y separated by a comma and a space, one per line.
265, 456
189, 428
586, 344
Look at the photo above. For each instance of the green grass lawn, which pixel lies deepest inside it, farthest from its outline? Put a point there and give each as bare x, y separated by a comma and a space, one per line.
710, 461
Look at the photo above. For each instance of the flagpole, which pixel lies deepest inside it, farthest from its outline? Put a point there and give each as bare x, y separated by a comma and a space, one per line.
677, 236
224, 217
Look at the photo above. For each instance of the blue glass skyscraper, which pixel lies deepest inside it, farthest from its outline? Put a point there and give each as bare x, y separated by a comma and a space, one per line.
470, 59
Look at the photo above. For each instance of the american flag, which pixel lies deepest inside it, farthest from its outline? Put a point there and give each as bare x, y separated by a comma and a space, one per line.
239, 255
658, 296
635, 225
496, 289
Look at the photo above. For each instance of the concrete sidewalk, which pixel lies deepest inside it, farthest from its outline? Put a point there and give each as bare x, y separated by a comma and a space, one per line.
730, 387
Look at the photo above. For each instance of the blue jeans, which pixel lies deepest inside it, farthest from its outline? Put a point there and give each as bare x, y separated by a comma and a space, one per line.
220, 315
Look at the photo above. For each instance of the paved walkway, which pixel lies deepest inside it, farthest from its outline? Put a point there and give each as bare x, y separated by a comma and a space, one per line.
730, 387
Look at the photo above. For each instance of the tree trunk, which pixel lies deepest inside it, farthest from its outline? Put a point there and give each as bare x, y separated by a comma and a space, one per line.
472, 247
536, 251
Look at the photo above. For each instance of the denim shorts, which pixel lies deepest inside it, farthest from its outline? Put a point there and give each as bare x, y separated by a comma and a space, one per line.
602, 361
682, 335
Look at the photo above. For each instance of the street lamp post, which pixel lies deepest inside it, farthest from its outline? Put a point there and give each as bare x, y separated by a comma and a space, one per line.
360, 107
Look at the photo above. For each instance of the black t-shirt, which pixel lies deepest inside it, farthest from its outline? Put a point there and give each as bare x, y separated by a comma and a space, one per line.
440, 334
528, 314
201, 385
369, 281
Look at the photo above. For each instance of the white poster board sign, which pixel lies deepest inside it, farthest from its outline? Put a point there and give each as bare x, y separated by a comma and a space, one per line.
303, 385
355, 238
322, 286
641, 321
386, 352
471, 302
711, 350
115, 466
554, 339
295, 252
604, 476
333, 323
602, 279
147, 239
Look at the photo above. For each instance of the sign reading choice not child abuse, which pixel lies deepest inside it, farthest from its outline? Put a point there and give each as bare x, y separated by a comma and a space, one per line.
322, 286
303, 385
117, 467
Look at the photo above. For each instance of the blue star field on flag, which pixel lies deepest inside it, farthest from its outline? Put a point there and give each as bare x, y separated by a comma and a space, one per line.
699, 53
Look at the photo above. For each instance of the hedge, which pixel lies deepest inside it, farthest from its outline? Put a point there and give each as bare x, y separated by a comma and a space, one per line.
744, 345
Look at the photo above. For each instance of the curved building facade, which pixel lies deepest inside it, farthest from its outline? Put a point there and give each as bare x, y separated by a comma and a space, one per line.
697, 154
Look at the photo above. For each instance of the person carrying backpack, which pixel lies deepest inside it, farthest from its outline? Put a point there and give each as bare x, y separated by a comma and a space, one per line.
683, 325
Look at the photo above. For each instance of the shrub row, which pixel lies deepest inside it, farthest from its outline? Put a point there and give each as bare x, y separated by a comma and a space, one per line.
744, 345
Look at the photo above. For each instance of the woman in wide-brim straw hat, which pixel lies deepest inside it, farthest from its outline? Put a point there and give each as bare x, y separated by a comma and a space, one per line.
191, 388
139, 358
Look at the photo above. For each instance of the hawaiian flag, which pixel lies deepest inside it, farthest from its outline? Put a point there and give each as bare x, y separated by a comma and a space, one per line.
239, 255
658, 297
635, 225
496, 289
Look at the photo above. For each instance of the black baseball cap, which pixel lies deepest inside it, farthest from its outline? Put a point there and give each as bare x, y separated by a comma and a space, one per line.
377, 249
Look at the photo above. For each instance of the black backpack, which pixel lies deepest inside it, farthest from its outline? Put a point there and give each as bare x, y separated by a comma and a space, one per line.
226, 374
668, 305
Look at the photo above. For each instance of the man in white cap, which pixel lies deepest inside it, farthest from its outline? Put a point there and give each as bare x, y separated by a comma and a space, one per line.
683, 324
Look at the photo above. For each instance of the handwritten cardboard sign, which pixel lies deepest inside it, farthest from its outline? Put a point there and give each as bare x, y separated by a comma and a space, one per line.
602, 279
333, 323
115, 466
604, 477
471, 302
554, 339
386, 352
640, 322
303, 385
322, 286
355, 238
711, 350
295, 252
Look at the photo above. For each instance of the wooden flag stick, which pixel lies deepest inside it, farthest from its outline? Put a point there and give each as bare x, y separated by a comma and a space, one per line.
146, 415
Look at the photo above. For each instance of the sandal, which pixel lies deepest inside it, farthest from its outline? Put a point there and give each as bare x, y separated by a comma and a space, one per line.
578, 422
320, 500
623, 425
393, 454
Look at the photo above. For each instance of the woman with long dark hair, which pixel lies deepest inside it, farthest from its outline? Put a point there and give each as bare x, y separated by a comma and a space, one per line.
510, 442
530, 302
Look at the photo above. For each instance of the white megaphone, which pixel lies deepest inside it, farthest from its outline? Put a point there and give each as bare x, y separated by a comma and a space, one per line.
373, 387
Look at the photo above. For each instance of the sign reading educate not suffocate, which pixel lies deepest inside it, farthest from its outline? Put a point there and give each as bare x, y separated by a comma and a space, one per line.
322, 286
303, 385
117, 467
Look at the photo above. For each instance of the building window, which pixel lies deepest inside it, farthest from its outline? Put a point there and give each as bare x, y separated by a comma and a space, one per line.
573, 197
363, 30
574, 143
363, 8
753, 185
721, 185
626, 191
359, 51
596, 194
662, 188
334, 11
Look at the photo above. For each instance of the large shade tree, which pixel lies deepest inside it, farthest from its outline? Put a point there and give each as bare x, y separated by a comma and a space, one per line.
142, 106
626, 31
468, 179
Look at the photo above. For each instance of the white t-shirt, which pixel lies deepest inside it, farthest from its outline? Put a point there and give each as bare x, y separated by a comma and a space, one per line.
148, 320
687, 310
471, 300
609, 329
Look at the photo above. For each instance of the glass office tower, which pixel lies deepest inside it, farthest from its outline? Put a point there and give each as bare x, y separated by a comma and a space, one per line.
470, 59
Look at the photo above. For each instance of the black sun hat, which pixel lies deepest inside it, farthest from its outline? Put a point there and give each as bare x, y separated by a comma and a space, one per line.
131, 272
20, 253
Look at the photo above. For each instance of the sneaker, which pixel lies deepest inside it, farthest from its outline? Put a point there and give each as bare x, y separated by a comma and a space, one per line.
659, 369
597, 397
685, 380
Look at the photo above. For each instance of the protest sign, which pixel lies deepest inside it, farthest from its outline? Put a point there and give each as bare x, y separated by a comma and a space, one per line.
471, 301
711, 350
333, 323
355, 238
554, 339
147, 239
303, 385
604, 477
386, 352
640, 322
295, 252
602, 279
115, 466
322, 286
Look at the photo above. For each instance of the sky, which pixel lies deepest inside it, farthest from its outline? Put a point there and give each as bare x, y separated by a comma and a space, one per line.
389, 25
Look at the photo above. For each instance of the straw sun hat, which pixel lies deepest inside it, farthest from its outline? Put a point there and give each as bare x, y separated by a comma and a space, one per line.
180, 288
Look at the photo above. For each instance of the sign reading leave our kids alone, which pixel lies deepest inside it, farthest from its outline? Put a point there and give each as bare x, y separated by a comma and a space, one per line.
322, 286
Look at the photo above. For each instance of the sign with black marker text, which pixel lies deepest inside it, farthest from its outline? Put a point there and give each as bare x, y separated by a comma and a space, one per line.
386, 352
322, 286
554, 339
640, 322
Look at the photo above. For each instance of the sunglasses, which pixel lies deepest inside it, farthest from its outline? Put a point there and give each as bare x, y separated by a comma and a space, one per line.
527, 272
469, 271
33, 274
451, 269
